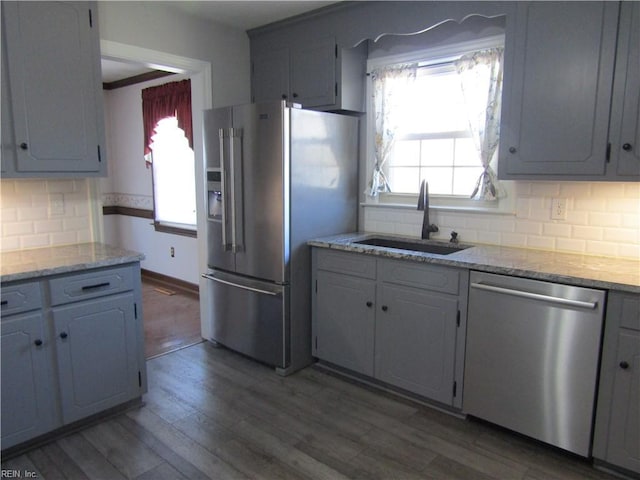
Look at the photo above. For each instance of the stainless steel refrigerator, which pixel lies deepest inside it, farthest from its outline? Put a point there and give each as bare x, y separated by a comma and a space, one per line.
277, 175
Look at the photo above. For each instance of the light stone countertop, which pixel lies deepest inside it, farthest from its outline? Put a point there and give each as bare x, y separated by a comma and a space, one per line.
40, 262
568, 268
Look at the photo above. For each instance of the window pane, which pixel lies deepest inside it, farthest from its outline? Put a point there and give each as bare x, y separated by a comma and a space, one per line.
405, 153
173, 174
437, 152
466, 153
465, 180
404, 179
440, 180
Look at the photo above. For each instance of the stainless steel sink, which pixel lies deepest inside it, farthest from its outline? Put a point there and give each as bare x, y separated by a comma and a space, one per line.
417, 246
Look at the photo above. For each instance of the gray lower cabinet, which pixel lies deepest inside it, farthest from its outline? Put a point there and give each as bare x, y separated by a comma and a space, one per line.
415, 341
398, 322
617, 430
96, 353
27, 387
72, 346
344, 334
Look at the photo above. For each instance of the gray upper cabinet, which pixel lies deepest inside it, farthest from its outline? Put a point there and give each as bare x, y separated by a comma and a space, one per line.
271, 68
558, 74
625, 109
313, 73
318, 74
54, 90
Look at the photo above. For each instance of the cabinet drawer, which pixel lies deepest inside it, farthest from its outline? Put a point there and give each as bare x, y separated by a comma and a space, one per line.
97, 283
20, 298
429, 277
630, 317
345, 262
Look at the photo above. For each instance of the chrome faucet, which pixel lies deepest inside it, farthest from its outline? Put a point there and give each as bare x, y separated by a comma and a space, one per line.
423, 204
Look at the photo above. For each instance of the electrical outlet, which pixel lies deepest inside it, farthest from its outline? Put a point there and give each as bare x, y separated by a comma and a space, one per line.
559, 209
172, 252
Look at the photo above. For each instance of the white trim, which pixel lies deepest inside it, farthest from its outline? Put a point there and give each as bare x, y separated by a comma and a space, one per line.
438, 54
160, 60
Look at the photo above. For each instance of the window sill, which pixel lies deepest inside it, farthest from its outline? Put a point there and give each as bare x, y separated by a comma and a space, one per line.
443, 208
175, 230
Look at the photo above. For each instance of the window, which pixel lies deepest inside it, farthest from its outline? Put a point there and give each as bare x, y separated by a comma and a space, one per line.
433, 141
174, 187
168, 144
435, 117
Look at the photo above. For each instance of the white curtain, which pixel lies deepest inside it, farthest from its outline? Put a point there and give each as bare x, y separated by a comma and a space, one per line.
386, 82
481, 79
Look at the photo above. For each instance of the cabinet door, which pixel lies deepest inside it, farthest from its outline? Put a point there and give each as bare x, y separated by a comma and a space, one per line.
54, 73
27, 394
96, 353
558, 75
624, 431
270, 75
344, 322
415, 341
313, 73
8, 148
625, 109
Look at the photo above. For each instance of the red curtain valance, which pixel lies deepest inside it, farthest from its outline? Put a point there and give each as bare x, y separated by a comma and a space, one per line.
168, 100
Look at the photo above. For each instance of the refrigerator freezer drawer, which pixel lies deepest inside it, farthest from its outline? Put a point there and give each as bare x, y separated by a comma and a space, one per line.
250, 317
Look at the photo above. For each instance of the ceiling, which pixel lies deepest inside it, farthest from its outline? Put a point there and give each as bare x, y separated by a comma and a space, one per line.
242, 14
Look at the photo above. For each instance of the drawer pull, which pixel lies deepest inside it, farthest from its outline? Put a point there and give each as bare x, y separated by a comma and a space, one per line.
37, 342
64, 335
97, 285
4, 302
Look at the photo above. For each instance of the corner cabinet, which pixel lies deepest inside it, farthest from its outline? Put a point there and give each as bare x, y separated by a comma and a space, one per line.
317, 74
72, 347
617, 428
52, 105
398, 322
559, 88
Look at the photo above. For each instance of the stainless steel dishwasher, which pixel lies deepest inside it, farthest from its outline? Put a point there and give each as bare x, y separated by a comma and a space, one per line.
532, 357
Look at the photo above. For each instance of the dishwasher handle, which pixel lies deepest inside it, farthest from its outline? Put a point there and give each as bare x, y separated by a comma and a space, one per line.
536, 296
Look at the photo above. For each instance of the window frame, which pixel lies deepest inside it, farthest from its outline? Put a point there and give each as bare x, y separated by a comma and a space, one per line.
438, 55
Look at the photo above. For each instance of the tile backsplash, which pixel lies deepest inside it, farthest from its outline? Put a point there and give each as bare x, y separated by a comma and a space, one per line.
43, 213
601, 219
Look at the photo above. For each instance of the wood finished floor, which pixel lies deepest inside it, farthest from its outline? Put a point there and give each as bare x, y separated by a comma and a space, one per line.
170, 321
211, 413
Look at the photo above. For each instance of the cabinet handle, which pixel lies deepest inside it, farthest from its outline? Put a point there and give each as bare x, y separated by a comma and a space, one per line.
24, 146
627, 147
97, 285
64, 335
284, 97
384, 308
4, 303
624, 365
369, 304
295, 95
37, 342
513, 149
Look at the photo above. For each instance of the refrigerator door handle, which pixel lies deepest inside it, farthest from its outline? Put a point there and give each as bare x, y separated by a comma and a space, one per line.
244, 287
235, 162
223, 134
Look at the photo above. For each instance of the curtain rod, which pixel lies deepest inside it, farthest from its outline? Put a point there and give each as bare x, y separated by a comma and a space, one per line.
439, 64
